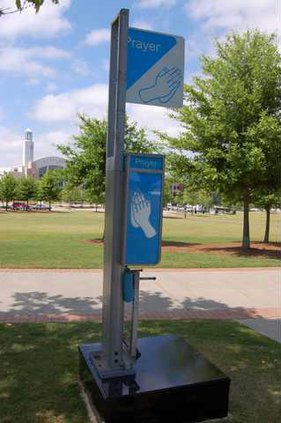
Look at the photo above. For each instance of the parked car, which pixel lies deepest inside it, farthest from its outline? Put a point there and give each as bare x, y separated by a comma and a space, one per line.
41, 207
17, 205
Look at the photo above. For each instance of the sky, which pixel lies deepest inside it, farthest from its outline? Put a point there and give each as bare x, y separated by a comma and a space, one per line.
55, 64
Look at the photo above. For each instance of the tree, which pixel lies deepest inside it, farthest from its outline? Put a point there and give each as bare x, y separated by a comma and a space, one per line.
86, 157
8, 186
72, 194
48, 188
24, 4
268, 195
26, 189
268, 201
167, 194
226, 110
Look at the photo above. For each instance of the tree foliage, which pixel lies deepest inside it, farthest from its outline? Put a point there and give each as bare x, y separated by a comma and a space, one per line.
231, 120
8, 188
26, 189
48, 187
24, 4
86, 157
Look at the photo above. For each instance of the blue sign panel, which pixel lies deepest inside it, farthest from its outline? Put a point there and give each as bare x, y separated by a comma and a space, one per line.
143, 231
155, 68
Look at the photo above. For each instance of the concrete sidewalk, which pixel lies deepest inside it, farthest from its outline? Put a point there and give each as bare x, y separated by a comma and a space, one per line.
64, 295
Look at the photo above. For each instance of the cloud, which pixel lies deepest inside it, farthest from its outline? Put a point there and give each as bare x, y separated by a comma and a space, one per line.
50, 53
51, 87
80, 67
46, 142
2, 114
17, 61
48, 23
10, 147
143, 24
151, 4
20, 61
97, 36
236, 15
93, 102
64, 107
153, 118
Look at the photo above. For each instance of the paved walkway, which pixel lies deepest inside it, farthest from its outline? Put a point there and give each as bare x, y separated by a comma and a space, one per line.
72, 295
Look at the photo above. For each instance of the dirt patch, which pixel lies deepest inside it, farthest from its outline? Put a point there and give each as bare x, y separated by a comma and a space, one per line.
258, 249
92, 241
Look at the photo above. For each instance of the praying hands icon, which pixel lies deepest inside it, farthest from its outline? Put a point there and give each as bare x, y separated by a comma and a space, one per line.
140, 214
166, 84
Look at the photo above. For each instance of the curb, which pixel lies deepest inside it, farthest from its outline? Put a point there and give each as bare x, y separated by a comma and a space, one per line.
216, 314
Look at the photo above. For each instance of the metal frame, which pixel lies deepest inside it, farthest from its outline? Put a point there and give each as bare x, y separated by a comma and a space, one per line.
113, 360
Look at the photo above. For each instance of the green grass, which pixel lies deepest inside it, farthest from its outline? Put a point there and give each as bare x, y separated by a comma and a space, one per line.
60, 240
39, 368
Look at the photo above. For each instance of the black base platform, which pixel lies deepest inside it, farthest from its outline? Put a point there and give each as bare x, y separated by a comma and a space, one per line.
173, 383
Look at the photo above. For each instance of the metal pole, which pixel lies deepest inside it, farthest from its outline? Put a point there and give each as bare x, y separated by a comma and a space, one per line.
113, 311
135, 316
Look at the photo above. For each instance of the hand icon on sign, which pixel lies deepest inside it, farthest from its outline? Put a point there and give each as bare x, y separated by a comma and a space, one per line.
140, 213
166, 83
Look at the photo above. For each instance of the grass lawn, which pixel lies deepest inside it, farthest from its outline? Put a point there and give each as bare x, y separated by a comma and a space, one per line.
39, 368
63, 240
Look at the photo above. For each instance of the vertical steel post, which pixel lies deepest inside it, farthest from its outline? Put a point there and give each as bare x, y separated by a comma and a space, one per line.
113, 310
135, 316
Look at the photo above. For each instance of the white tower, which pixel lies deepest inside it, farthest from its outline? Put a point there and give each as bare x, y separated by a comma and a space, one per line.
28, 148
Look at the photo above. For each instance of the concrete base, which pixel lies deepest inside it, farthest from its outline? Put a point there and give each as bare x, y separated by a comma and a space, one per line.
172, 381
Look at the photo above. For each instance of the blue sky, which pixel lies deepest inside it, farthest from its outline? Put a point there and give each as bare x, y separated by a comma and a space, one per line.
55, 64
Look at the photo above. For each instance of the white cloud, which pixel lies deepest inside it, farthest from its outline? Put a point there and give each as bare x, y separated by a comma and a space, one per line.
50, 52
97, 36
153, 118
81, 67
49, 22
150, 4
236, 15
93, 102
51, 87
137, 23
46, 142
19, 61
106, 65
1, 113
64, 107
10, 147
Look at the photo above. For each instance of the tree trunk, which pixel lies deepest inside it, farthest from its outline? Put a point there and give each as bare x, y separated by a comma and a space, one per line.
246, 223
267, 225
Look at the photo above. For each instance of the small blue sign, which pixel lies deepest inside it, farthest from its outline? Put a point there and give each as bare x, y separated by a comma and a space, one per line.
155, 68
145, 174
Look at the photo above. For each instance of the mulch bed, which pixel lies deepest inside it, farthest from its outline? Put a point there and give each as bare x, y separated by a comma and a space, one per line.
258, 249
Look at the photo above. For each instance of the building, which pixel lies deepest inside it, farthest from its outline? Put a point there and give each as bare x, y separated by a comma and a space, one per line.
30, 167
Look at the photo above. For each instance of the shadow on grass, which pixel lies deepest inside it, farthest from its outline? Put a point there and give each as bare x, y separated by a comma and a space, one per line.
170, 243
39, 372
264, 252
39, 368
